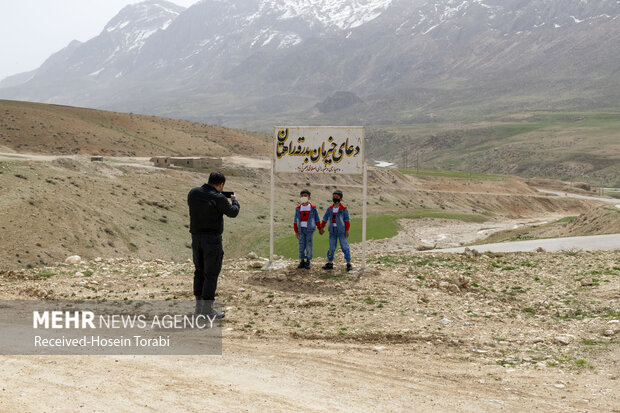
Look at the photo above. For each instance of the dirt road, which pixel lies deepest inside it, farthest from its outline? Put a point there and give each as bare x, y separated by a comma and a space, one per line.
592, 198
127, 160
257, 376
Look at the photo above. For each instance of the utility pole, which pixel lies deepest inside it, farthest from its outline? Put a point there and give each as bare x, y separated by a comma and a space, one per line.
417, 162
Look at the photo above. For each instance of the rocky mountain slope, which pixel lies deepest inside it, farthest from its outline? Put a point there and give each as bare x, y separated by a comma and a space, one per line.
259, 62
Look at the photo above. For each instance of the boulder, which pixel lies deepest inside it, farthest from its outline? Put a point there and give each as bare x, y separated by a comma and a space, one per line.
73, 260
564, 340
471, 252
461, 281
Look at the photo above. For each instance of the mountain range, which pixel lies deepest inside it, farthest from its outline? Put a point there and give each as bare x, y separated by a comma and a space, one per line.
256, 63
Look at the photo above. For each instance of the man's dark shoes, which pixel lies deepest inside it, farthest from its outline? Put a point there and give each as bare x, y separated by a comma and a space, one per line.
349, 266
307, 265
217, 314
302, 264
208, 310
328, 266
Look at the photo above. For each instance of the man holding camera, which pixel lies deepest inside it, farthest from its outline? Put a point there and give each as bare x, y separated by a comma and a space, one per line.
207, 207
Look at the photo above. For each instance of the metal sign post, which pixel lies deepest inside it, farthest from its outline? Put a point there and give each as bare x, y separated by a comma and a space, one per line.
271, 197
364, 202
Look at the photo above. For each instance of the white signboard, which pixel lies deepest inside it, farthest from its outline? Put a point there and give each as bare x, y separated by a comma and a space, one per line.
319, 149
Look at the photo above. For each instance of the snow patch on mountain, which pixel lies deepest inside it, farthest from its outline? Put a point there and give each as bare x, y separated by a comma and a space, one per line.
137, 39
166, 9
136, 23
117, 26
331, 14
289, 40
166, 24
426, 16
450, 10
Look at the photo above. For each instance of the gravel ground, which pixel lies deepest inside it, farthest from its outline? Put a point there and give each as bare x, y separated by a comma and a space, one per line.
438, 331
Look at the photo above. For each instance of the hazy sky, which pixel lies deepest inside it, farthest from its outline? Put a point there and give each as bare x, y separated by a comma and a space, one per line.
31, 30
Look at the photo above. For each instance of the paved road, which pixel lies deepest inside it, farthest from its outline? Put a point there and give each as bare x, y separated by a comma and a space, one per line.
568, 194
608, 242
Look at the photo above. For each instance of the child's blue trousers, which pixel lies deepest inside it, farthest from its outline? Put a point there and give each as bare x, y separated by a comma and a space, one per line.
344, 246
305, 244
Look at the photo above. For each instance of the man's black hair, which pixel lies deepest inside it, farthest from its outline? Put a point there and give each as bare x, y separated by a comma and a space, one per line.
216, 178
305, 191
338, 192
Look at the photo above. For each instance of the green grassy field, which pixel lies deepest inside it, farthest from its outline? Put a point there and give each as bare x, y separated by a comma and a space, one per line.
452, 174
377, 227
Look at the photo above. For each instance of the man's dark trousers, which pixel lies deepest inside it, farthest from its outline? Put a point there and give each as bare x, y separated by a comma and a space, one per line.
208, 254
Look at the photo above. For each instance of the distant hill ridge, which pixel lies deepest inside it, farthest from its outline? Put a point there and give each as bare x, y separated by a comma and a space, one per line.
53, 129
255, 63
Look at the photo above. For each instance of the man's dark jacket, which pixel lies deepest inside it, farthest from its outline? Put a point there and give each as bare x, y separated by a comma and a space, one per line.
207, 208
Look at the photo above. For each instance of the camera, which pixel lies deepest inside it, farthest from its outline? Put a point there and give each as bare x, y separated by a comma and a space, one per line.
227, 194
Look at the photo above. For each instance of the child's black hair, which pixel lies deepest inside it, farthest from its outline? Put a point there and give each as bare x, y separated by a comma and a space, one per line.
304, 191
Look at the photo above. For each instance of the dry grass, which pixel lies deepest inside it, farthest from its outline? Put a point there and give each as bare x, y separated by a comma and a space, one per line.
39, 128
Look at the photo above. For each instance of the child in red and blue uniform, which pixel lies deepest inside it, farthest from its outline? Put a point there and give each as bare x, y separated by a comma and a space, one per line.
337, 220
305, 223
